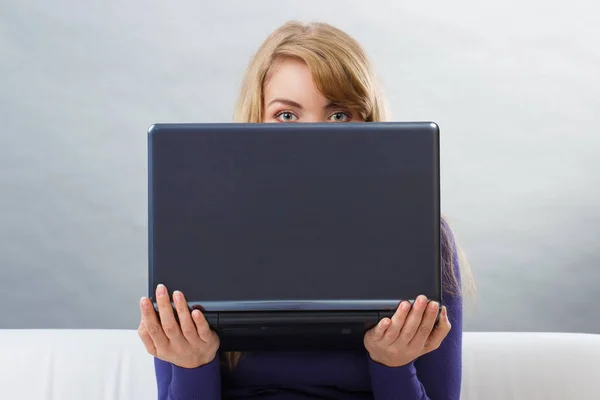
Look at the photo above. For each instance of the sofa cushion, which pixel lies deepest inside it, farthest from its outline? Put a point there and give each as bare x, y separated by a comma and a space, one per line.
113, 365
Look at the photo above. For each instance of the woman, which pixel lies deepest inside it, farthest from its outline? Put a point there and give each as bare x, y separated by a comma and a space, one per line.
314, 73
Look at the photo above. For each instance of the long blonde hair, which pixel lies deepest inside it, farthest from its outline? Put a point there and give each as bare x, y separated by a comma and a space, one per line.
343, 74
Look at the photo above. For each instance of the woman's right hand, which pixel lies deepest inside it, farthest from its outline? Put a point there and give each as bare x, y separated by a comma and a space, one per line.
188, 344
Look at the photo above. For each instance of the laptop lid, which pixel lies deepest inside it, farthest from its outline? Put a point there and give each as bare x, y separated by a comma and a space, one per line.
275, 217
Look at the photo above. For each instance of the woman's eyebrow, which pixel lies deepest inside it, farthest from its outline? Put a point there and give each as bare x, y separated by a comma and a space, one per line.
288, 102
331, 105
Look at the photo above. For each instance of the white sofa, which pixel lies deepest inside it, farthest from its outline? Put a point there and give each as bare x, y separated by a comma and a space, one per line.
112, 364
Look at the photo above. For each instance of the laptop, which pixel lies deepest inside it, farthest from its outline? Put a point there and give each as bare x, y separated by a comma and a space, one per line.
295, 236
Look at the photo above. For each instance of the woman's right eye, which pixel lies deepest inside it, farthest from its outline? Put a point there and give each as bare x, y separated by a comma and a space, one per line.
285, 116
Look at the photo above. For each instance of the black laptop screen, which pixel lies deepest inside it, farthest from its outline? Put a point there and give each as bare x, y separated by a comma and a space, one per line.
283, 214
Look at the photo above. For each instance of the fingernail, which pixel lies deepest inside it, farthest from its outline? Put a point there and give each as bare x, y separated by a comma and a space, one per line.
444, 311
161, 290
404, 306
385, 322
177, 296
144, 302
434, 305
421, 299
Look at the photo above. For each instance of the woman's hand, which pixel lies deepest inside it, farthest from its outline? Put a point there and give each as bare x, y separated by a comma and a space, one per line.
409, 334
188, 344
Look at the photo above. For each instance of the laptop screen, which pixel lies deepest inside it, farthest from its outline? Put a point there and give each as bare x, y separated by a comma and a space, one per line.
251, 214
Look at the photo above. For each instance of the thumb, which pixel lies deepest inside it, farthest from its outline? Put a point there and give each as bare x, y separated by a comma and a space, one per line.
378, 330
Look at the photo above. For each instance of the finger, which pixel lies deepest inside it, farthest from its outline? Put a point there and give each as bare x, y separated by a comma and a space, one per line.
146, 339
398, 319
439, 332
202, 326
152, 324
167, 317
376, 333
188, 328
413, 321
426, 326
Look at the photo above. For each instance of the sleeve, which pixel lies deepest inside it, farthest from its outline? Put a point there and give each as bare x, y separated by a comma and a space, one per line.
396, 383
176, 383
433, 376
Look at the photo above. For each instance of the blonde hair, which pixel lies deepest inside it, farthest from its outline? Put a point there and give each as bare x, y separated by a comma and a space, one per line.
340, 70
343, 74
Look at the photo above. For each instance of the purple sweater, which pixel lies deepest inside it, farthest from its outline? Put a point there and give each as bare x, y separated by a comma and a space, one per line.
324, 375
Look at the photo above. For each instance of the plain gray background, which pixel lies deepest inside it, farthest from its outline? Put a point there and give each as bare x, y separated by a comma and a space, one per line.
514, 85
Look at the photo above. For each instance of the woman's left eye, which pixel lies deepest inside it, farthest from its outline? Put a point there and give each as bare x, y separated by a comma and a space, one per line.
340, 117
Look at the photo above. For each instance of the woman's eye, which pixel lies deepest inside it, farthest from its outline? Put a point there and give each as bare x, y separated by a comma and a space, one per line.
286, 116
340, 117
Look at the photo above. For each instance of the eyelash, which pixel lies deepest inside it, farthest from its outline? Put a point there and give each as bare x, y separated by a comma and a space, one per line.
343, 112
277, 115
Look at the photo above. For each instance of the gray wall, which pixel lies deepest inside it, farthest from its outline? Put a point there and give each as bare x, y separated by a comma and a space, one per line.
514, 85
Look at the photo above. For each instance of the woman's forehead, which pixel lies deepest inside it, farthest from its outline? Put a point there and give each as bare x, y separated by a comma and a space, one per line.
292, 80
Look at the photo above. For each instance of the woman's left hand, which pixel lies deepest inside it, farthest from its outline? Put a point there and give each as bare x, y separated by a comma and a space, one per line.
410, 333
